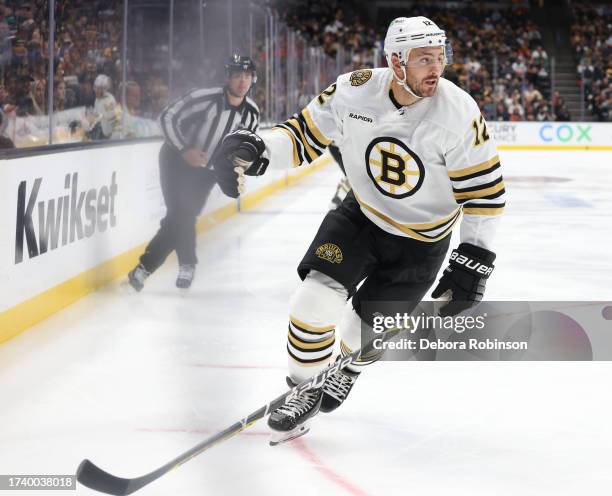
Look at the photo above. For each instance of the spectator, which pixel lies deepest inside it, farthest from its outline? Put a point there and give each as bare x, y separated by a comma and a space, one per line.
519, 67
531, 94
562, 113
35, 103
160, 96
65, 45
106, 118
132, 109
488, 106
86, 93
132, 98
59, 96
515, 108
502, 112
539, 56
544, 114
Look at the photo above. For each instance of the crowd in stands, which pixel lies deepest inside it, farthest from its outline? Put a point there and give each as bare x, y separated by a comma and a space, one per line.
499, 56
328, 24
87, 44
591, 38
500, 61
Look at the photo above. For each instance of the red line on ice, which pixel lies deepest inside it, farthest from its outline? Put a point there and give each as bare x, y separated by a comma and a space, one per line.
324, 470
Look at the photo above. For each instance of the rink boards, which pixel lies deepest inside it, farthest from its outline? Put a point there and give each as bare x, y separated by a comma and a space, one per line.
74, 220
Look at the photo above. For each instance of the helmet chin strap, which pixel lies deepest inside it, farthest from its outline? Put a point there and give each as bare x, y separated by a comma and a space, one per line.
404, 83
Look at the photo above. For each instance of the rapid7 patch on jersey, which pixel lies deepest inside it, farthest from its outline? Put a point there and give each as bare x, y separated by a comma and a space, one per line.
395, 170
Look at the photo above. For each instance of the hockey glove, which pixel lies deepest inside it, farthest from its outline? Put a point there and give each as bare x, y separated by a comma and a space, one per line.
240, 153
463, 281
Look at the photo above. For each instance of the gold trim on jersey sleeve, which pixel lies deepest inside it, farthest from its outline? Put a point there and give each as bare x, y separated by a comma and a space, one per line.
458, 173
312, 127
296, 158
480, 193
416, 230
312, 154
433, 225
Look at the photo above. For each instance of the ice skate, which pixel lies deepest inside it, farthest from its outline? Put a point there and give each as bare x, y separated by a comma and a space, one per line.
185, 276
137, 276
337, 388
291, 420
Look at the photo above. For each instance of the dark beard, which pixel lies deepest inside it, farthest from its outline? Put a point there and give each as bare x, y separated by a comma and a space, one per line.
415, 91
420, 93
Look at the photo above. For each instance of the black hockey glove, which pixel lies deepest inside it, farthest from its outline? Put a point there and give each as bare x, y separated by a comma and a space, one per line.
239, 154
465, 278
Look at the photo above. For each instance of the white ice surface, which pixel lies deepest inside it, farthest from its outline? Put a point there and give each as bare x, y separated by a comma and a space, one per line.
132, 380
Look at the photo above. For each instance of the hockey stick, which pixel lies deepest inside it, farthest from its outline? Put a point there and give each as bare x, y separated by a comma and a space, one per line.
95, 478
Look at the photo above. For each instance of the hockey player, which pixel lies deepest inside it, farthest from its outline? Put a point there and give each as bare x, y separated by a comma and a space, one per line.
417, 155
193, 126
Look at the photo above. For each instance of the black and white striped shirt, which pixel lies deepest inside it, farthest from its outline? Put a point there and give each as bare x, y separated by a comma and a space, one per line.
202, 117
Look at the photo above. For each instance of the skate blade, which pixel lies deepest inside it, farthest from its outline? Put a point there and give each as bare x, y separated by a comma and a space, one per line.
278, 437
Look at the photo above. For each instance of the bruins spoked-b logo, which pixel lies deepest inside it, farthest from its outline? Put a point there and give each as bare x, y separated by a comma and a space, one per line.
330, 252
394, 168
360, 77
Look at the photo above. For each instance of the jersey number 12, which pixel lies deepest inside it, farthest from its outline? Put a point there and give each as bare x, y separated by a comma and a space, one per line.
480, 131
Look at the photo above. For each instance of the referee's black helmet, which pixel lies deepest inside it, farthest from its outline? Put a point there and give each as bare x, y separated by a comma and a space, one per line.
240, 63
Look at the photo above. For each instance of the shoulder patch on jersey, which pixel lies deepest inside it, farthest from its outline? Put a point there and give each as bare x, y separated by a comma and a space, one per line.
330, 252
360, 77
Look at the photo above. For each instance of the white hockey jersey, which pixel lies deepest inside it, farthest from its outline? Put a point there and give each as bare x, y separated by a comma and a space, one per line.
107, 113
413, 169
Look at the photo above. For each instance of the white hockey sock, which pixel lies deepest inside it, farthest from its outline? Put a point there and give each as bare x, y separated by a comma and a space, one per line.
315, 309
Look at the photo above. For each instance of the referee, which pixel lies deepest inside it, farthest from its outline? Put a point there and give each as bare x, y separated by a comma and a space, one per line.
193, 126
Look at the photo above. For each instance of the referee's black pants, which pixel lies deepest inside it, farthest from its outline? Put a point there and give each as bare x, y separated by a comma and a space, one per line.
185, 189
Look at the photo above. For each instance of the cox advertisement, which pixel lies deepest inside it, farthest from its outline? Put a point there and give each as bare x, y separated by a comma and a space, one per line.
552, 135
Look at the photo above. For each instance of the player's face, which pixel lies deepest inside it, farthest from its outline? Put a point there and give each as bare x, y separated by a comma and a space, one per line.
240, 83
424, 68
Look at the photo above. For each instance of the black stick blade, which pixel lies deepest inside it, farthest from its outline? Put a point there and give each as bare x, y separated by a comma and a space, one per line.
94, 477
